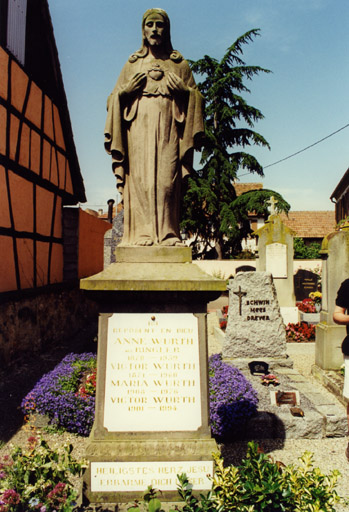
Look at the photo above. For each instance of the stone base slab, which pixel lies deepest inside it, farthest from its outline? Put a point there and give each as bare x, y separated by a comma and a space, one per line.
152, 449
266, 425
132, 277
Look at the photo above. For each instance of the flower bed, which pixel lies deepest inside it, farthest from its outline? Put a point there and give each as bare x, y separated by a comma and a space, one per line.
67, 395
38, 478
300, 332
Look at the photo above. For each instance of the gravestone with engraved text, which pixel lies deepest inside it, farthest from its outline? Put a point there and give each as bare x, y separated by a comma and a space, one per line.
255, 328
305, 282
152, 418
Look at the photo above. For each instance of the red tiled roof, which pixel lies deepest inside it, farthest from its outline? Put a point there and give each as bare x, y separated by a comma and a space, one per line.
310, 224
240, 188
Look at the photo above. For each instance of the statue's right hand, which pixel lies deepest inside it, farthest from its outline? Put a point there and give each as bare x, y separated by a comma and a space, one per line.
135, 84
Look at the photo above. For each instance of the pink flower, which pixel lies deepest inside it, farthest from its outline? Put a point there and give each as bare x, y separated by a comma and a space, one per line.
11, 497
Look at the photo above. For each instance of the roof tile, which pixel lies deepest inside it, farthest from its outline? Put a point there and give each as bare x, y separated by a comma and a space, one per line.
310, 224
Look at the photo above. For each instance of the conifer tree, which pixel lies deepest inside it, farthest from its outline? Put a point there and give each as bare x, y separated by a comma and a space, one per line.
211, 214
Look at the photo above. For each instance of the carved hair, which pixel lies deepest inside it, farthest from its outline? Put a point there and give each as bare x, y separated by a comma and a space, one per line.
144, 49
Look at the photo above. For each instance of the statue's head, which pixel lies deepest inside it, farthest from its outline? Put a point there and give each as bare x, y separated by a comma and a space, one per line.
156, 17
160, 18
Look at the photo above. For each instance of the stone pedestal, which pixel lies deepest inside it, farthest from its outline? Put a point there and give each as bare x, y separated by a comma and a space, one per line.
152, 418
328, 352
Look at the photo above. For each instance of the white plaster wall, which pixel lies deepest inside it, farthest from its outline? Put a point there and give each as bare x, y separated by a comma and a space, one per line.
226, 268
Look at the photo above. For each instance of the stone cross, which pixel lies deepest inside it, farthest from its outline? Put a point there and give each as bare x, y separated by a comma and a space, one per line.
273, 202
240, 294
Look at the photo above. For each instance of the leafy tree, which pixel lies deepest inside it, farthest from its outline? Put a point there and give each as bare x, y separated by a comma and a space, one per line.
256, 201
305, 252
211, 212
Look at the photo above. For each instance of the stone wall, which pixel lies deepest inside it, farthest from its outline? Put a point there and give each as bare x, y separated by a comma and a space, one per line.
36, 320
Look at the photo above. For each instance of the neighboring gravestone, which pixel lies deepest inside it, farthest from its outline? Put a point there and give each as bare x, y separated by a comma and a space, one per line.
305, 282
112, 238
335, 269
255, 328
275, 255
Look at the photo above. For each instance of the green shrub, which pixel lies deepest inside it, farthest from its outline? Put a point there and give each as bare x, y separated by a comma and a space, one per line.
305, 252
259, 485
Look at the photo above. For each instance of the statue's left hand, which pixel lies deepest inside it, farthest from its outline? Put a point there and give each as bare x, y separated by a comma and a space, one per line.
175, 83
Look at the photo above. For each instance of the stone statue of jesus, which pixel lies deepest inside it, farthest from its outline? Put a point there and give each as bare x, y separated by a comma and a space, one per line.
154, 121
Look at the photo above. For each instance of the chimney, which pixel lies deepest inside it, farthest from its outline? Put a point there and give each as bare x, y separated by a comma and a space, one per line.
110, 210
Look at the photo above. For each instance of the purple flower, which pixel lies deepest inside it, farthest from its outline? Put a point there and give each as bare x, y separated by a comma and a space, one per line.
232, 398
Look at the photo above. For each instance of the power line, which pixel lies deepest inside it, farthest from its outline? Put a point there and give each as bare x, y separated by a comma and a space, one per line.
301, 150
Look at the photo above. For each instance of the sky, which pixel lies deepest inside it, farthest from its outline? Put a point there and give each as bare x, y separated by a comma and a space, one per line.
305, 99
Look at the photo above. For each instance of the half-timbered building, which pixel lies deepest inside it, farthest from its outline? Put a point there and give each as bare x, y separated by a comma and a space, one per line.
39, 177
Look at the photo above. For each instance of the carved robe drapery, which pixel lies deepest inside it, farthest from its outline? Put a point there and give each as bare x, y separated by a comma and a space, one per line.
151, 138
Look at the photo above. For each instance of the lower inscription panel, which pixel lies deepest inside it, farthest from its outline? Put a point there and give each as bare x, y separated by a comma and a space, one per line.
136, 476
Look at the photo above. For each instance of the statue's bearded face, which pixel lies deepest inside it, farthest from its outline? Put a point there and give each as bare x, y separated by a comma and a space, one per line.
154, 29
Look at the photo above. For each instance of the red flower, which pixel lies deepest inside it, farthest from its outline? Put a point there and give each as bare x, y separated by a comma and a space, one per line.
306, 306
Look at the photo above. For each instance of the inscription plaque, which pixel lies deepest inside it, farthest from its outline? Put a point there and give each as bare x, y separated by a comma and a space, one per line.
137, 476
305, 282
152, 373
276, 260
285, 398
258, 368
